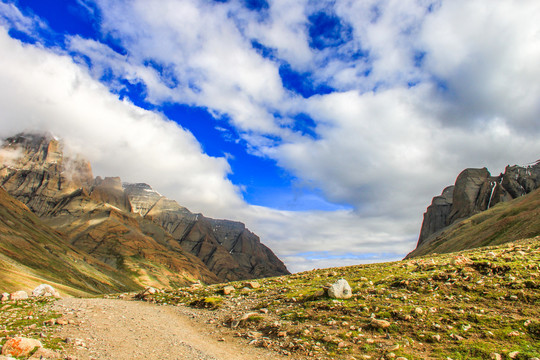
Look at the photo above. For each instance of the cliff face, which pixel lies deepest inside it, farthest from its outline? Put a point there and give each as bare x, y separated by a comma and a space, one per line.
131, 228
475, 191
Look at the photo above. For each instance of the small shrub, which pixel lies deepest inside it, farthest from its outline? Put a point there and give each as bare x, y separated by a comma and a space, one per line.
207, 303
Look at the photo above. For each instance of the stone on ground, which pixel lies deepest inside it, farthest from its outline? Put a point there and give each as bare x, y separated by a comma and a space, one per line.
19, 346
340, 290
253, 285
18, 295
45, 290
45, 354
380, 324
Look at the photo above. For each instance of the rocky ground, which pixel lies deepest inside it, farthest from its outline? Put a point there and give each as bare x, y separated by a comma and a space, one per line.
478, 304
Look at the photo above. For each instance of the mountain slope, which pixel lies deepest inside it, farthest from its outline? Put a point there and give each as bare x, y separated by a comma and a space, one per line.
32, 253
95, 214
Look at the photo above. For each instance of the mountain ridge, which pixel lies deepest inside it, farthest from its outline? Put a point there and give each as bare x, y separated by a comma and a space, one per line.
104, 220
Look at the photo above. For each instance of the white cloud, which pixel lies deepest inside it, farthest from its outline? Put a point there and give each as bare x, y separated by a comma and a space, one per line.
10, 14
213, 64
487, 54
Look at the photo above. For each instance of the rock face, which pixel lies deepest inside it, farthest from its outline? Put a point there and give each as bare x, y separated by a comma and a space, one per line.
474, 191
18, 295
436, 216
129, 227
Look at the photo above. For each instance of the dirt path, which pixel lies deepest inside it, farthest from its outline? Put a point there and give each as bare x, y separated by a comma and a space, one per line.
118, 329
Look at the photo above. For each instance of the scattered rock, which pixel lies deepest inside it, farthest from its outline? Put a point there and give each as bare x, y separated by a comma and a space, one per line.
61, 321
456, 337
18, 295
495, 356
4, 297
45, 290
254, 334
148, 291
19, 346
282, 334
513, 354
436, 337
45, 354
253, 285
380, 324
513, 333
419, 311
227, 290
196, 285
461, 260
340, 290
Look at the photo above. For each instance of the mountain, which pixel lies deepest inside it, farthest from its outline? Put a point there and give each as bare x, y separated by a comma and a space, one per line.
476, 192
227, 247
32, 253
98, 217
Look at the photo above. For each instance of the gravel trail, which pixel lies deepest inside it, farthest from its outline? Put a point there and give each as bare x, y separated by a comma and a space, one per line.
119, 329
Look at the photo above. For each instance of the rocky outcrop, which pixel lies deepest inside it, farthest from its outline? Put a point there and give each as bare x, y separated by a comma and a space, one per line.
475, 190
129, 227
34, 170
436, 216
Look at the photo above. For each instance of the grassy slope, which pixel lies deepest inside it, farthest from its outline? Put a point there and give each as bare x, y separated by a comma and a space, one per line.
508, 221
458, 306
32, 253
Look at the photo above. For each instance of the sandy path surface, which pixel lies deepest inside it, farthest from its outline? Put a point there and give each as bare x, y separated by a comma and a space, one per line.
118, 329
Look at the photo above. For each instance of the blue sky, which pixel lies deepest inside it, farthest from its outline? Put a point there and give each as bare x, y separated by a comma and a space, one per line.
325, 126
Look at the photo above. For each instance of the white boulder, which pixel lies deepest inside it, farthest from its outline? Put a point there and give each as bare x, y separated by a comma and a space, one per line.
340, 290
45, 290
